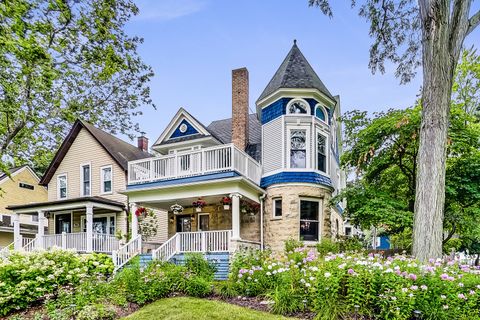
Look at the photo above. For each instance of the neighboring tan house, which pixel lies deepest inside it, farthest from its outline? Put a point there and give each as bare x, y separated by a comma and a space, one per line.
20, 188
85, 210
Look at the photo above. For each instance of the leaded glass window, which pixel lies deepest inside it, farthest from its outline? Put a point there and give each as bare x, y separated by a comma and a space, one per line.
298, 149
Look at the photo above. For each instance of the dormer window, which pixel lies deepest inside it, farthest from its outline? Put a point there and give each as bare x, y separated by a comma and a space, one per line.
320, 113
298, 107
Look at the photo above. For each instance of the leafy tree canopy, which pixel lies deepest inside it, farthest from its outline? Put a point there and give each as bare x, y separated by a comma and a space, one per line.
62, 60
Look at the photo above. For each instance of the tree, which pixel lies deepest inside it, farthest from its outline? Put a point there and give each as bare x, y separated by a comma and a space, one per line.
62, 60
429, 33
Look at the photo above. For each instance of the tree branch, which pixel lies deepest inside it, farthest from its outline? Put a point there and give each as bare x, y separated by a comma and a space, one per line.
473, 22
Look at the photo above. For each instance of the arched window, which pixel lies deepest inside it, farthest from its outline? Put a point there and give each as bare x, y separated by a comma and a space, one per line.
298, 107
320, 113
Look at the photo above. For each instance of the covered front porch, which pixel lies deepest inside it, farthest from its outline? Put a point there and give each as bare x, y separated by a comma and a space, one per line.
88, 224
213, 216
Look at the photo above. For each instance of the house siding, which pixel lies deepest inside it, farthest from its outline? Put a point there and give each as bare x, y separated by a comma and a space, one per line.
272, 154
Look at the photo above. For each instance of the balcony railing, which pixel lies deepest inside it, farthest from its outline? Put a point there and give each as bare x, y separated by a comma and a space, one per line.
194, 163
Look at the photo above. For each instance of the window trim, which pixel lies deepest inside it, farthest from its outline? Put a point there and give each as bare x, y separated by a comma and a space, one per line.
102, 186
320, 218
325, 113
82, 191
58, 186
83, 221
308, 154
274, 200
327, 153
309, 109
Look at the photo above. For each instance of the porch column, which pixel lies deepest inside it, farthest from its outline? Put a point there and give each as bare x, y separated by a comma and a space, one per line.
89, 220
41, 229
235, 215
17, 237
133, 208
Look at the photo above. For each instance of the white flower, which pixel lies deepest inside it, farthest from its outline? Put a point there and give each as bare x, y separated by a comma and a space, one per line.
268, 273
327, 274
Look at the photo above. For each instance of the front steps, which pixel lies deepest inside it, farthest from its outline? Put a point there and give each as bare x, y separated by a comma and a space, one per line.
221, 260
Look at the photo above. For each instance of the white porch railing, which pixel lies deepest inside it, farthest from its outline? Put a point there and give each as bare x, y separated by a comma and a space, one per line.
202, 241
28, 244
127, 252
193, 163
105, 243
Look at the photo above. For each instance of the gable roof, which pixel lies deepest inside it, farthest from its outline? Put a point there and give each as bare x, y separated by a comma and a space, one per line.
13, 171
200, 130
119, 150
295, 72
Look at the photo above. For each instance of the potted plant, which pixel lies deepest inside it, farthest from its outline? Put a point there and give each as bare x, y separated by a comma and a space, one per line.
199, 204
226, 201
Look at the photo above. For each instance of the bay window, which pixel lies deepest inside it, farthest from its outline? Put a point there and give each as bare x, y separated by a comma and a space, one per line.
298, 148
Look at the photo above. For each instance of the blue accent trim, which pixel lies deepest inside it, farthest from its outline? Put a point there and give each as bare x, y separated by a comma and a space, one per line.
190, 130
335, 154
294, 176
274, 110
312, 103
206, 177
384, 243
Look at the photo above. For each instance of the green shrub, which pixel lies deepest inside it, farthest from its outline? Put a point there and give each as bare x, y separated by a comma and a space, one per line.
327, 246
292, 244
287, 300
197, 264
346, 244
198, 287
27, 277
226, 289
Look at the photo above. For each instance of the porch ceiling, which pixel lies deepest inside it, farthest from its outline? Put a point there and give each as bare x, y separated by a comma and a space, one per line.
184, 202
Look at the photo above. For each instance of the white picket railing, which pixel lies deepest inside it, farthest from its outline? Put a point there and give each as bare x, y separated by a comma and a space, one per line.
193, 163
28, 244
127, 252
201, 241
105, 243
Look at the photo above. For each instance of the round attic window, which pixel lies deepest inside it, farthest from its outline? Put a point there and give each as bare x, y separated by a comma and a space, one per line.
183, 128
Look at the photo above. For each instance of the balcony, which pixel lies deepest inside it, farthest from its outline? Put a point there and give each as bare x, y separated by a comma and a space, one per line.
200, 162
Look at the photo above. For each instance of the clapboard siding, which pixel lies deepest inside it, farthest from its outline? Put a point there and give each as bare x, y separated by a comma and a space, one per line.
272, 145
85, 149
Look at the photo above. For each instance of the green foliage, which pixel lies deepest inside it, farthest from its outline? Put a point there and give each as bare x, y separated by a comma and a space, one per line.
327, 246
226, 289
198, 287
66, 60
26, 278
292, 244
196, 263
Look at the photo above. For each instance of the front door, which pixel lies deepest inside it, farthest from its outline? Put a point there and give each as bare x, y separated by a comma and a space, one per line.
203, 222
63, 223
184, 223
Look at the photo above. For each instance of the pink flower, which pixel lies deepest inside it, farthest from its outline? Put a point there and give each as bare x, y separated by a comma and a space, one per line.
412, 276
351, 271
462, 296
444, 276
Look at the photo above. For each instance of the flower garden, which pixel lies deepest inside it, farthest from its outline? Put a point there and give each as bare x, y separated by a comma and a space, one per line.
302, 281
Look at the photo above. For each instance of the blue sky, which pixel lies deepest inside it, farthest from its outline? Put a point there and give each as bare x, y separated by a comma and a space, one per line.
193, 45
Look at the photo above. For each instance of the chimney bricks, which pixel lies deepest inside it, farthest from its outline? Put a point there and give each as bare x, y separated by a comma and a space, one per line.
142, 143
240, 108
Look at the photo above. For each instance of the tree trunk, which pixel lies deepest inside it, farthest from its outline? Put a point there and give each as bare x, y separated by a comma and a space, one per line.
442, 39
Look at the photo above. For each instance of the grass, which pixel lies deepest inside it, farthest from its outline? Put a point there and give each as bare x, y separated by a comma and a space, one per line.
192, 308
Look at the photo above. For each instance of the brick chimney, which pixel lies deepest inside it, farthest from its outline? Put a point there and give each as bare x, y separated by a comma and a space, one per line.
240, 108
142, 143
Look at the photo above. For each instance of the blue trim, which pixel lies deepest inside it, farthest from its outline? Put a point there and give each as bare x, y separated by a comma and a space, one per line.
190, 130
294, 176
384, 243
206, 177
274, 110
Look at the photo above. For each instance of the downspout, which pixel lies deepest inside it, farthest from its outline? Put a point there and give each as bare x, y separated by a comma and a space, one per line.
261, 221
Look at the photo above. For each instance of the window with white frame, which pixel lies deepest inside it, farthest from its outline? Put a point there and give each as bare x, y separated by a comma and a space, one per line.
62, 186
309, 220
34, 217
277, 207
106, 179
298, 148
86, 179
321, 153
298, 107
320, 113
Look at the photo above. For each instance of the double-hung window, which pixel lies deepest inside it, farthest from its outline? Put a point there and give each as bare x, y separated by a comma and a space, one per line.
106, 179
86, 180
298, 148
321, 153
309, 220
277, 208
62, 186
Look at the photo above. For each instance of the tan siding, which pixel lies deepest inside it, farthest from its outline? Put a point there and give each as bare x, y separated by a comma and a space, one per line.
85, 149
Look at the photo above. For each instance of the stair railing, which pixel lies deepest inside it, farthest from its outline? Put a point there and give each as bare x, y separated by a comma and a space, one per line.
127, 252
29, 244
167, 250
5, 252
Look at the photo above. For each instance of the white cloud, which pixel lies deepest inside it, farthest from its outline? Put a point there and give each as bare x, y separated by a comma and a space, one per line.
163, 10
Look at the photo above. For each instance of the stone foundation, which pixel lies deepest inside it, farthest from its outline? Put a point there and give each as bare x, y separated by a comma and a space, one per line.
278, 230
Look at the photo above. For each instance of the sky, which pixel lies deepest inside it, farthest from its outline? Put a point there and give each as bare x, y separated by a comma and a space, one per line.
192, 46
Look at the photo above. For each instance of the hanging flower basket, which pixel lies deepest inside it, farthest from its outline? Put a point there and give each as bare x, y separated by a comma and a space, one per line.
141, 212
198, 205
226, 201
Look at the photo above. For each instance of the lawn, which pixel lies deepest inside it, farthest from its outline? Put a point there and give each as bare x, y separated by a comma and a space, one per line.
193, 308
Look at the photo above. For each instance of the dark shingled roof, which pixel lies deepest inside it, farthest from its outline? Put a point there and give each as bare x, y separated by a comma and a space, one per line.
295, 72
119, 150
222, 130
